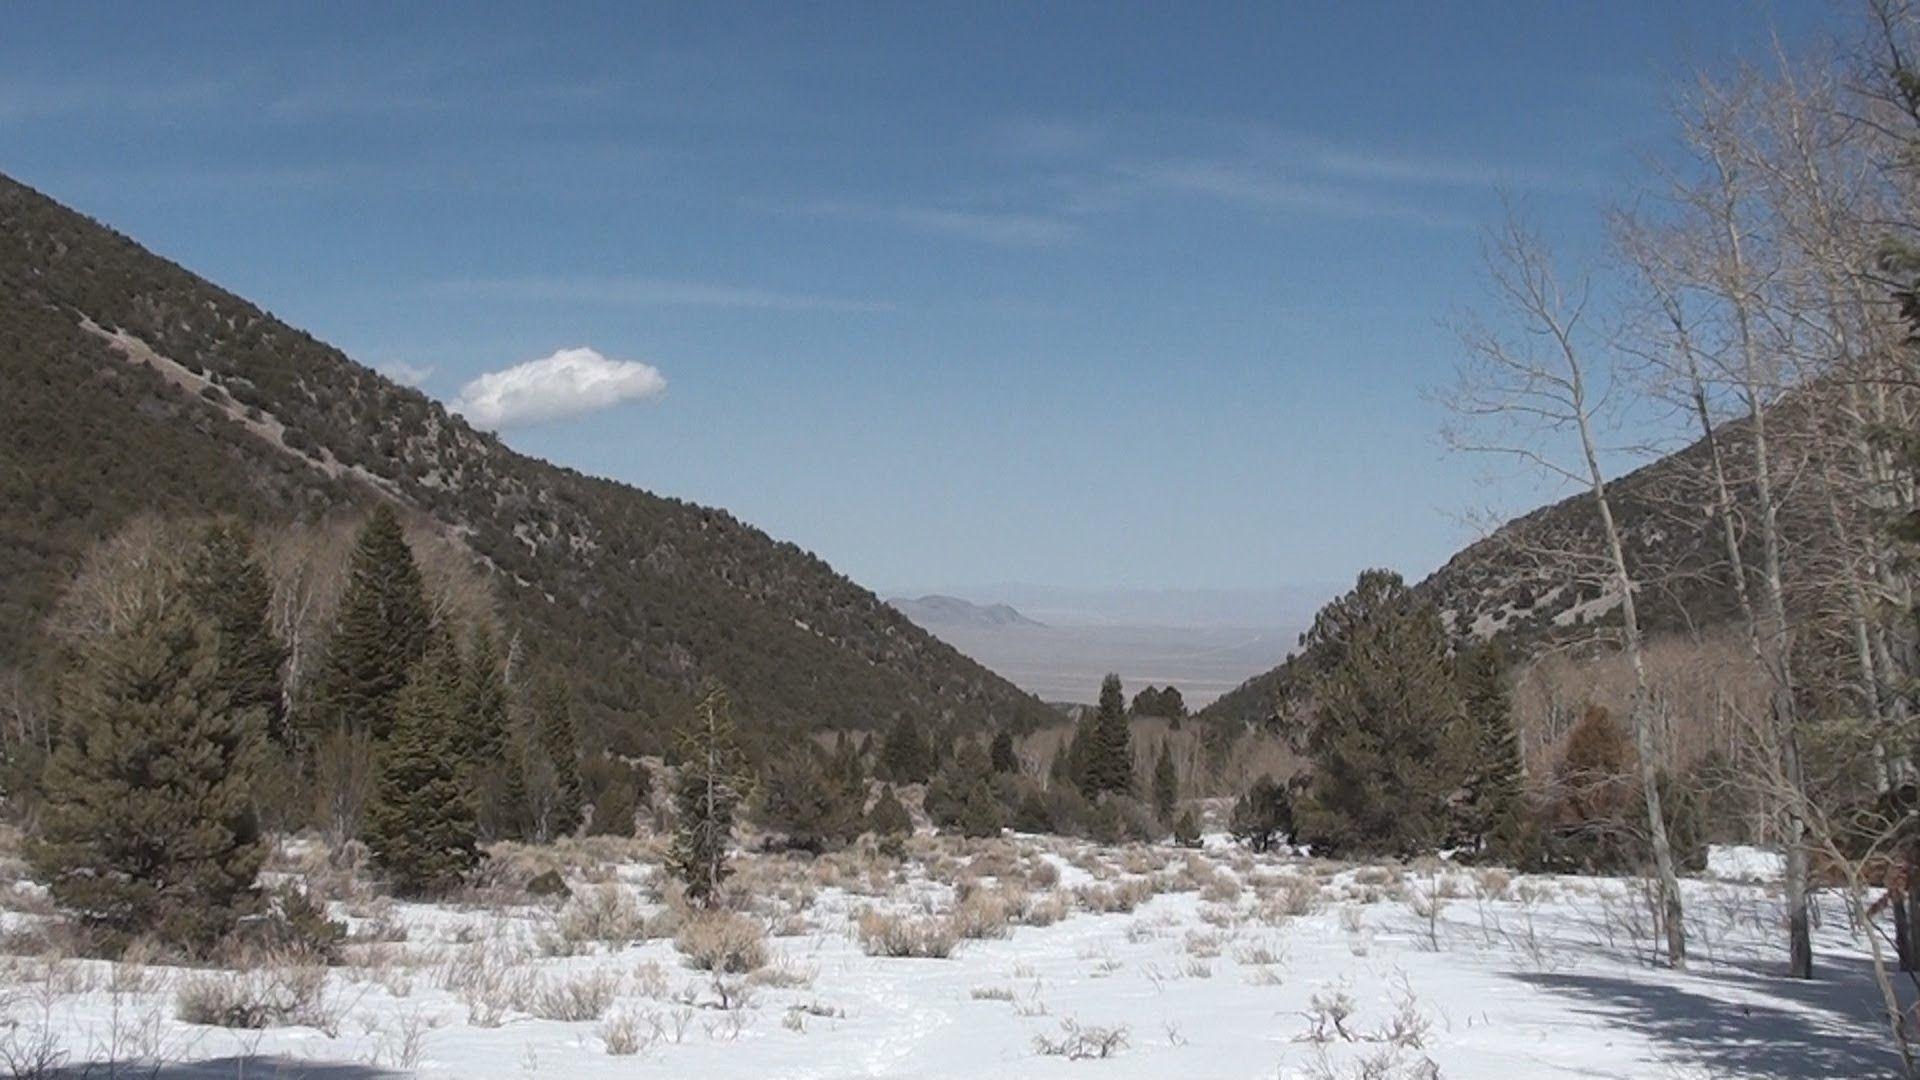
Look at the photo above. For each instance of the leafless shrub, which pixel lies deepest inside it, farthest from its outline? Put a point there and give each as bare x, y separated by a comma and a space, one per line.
267, 993
573, 999
1327, 1014
601, 913
1047, 909
1428, 904
992, 993
906, 936
1080, 1043
986, 913
628, 1032
722, 941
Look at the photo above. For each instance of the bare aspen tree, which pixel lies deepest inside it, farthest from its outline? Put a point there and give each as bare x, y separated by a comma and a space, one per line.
1536, 396
1719, 253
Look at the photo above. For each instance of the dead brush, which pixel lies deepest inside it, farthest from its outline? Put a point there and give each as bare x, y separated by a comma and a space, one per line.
1047, 908
606, 914
1078, 1042
1293, 896
988, 913
572, 998
267, 991
1119, 897
723, 942
927, 936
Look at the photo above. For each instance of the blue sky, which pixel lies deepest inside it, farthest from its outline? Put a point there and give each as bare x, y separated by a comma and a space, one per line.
1080, 295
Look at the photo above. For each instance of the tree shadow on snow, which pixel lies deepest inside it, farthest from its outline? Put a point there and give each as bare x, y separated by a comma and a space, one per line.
251, 1067
1827, 1027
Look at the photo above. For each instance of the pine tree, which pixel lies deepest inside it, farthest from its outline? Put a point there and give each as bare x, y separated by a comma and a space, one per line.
421, 829
1186, 831
981, 814
382, 630
1494, 812
707, 794
905, 758
615, 789
482, 732
1002, 755
148, 824
801, 798
1172, 705
1110, 758
950, 789
1263, 816
888, 817
558, 748
1166, 785
232, 595
482, 737
1385, 744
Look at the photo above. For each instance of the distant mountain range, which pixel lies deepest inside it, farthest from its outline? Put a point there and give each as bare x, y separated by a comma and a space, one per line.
128, 385
934, 612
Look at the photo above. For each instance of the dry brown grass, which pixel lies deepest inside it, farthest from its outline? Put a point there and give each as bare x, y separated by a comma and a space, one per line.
724, 942
929, 936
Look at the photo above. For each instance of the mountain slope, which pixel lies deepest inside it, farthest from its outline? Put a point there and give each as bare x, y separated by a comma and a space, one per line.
133, 385
1528, 587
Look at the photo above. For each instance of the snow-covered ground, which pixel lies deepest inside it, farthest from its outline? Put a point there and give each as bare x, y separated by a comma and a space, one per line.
1177, 964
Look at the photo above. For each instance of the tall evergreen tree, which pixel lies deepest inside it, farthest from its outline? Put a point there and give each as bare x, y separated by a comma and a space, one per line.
888, 817
482, 733
712, 783
1495, 811
381, 631
906, 758
422, 828
1385, 743
1002, 756
1110, 761
559, 746
1166, 785
232, 595
148, 825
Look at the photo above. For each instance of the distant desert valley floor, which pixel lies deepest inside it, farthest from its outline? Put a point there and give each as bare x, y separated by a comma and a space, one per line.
1057, 644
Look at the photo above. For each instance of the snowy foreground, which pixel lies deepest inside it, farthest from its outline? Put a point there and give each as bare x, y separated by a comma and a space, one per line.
1168, 963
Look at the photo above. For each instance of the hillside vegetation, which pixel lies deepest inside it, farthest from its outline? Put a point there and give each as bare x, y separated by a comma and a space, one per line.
135, 386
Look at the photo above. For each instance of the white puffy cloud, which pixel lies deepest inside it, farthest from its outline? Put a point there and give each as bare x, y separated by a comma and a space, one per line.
568, 383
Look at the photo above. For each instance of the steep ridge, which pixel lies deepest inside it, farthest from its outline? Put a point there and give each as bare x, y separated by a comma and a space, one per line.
132, 385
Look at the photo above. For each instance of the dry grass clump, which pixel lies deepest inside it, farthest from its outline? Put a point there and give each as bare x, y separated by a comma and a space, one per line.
1222, 889
267, 992
1492, 883
987, 913
784, 973
628, 1032
1047, 908
1293, 896
573, 998
1121, 896
491, 979
1377, 876
601, 913
926, 936
1204, 944
723, 942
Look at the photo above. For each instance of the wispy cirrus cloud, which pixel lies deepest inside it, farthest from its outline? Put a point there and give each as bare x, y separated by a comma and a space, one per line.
1270, 190
569, 382
1011, 229
647, 292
